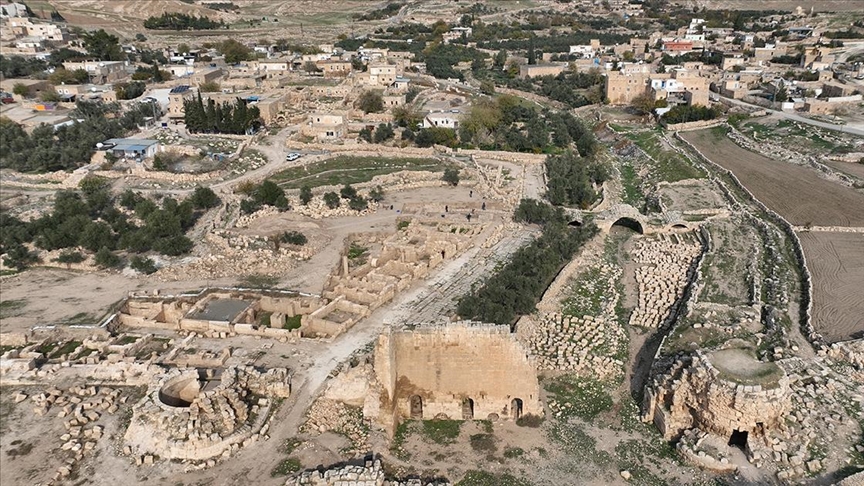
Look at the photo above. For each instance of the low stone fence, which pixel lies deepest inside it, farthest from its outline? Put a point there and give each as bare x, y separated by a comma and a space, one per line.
694, 125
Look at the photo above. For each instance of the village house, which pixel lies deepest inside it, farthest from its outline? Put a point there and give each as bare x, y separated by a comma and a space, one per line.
445, 119
324, 126
100, 72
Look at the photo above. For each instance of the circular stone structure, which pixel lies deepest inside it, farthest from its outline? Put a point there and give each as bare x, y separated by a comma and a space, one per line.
180, 392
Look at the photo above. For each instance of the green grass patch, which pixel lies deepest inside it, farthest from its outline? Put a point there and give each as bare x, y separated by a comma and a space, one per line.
127, 340
669, 164
258, 281
286, 467
483, 478
442, 431
293, 322
10, 308
356, 251
513, 452
264, 319
346, 169
633, 194
585, 398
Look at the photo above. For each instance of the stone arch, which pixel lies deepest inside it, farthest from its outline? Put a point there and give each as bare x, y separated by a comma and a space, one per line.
416, 407
680, 227
516, 408
467, 409
630, 223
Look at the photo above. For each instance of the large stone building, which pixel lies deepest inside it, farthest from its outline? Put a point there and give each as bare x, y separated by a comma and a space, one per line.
678, 87
535, 70
462, 370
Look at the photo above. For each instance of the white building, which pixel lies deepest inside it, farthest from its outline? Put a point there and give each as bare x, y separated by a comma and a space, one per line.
13, 10
446, 119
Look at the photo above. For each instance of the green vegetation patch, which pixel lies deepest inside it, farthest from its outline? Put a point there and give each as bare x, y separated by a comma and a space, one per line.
670, 165
293, 322
483, 478
286, 467
442, 431
10, 308
585, 398
346, 169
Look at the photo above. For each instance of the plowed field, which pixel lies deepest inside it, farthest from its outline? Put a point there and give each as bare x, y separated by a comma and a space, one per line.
836, 261
793, 191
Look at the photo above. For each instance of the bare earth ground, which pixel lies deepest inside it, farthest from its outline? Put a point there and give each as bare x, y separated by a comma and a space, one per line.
795, 192
836, 261
851, 168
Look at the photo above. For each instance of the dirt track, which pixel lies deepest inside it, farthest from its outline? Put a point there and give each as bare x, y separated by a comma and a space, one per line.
795, 192
836, 261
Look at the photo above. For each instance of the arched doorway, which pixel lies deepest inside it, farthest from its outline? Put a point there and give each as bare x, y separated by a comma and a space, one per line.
416, 404
516, 408
629, 223
467, 409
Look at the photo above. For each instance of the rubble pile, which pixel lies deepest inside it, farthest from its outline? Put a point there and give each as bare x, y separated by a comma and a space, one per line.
370, 474
571, 343
330, 415
661, 276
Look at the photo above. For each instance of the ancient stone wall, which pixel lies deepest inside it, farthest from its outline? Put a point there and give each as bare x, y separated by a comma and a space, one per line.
180, 419
694, 393
434, 371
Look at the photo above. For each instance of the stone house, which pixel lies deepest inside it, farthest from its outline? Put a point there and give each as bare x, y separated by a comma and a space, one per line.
176, 97
324, 126
100, 72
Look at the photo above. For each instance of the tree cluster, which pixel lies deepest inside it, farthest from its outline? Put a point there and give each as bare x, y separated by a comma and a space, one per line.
181, 21
71, 146
91, 219
571, 179
103, 46
515, 289
684, 114
21, 67
387, 11
129, 91
507, 124
235, 52
441, 58
267, 193
211, 117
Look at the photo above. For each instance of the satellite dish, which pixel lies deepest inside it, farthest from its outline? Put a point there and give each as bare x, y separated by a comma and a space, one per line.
99, 145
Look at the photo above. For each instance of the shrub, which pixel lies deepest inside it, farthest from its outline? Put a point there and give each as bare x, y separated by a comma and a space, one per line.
204, 198
294, 238
142, 264
358, 203
69, 257
331, 199
305, 195
529, 420
376, 194
105, 258
451, 176
348, 192
483, 443
371, 102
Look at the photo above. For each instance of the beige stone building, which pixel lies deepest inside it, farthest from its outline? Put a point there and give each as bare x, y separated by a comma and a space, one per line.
622, 89
335, 68
100, 71
535, 70
462, 371
176, 97
324, 126
379, 74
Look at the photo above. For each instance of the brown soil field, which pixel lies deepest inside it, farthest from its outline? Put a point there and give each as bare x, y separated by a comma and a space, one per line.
819, 5
836, 261
852, 168
796, 193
